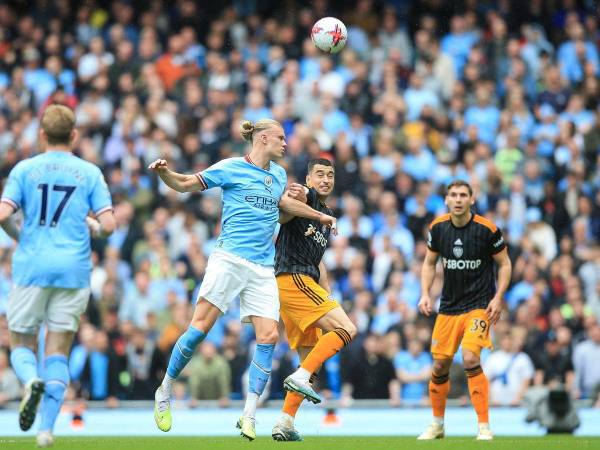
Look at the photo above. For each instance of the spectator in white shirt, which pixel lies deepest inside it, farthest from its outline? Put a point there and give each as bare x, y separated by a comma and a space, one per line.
509, 370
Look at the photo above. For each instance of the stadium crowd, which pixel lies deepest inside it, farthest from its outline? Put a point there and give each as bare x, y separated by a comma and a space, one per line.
502, 94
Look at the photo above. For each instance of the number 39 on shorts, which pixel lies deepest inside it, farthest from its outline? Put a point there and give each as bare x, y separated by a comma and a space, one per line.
478, 324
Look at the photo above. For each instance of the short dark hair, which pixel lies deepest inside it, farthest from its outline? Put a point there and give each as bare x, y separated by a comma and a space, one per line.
321, 161
459, 183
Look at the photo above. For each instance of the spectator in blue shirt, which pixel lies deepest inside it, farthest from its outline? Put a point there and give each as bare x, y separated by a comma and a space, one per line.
484, 115
419, 163
413, 369
546, 131
582, 118
574, 54
418, 97
458, 43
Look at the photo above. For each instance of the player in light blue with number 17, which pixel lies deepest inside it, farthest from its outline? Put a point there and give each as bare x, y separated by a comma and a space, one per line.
51, 265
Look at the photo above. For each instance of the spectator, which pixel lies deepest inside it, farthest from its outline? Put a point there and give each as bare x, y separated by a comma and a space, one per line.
509, 370
413, 369
587, 372
9, 384
371, 375
209, 376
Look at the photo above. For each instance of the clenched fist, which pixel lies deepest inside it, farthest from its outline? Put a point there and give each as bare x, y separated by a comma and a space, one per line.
159, 165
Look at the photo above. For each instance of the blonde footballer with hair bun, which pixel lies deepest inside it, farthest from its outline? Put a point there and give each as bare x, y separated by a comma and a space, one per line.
253, 190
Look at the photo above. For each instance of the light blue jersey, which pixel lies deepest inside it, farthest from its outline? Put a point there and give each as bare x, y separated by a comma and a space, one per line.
250, 206
56, 190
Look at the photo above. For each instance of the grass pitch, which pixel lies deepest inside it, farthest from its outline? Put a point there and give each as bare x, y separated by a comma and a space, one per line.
558, 442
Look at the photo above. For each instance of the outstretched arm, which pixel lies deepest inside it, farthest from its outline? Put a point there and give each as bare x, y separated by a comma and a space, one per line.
297, 192
176, 181
296, 208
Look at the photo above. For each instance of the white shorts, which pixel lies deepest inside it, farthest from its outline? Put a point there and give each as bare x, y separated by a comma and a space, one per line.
228, 275
59, 308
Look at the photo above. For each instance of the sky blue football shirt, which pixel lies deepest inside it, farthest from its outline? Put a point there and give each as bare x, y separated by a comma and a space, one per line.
250, 206
56, 190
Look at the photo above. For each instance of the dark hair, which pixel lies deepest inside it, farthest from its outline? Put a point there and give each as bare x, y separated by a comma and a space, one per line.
459, 183
321, 161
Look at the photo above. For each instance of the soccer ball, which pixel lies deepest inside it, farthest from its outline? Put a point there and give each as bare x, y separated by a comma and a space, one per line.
329, 34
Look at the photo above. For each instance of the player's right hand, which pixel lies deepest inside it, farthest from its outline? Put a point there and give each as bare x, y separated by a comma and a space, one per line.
425, 305
297, 192
329, 221
159, 165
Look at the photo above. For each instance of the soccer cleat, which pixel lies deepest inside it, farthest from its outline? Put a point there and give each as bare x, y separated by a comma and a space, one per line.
301, 387
162, 410
34, 390
45, 439
433, 431
282, 433
485, 433
247, 426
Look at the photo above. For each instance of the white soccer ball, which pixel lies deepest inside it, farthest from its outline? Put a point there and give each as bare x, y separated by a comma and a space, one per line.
329, 34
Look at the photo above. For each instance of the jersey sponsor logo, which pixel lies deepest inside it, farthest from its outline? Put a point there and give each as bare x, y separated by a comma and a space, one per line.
461, 264
316, 235
262, 202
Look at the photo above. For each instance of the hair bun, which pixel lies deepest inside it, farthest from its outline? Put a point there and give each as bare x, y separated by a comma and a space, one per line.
247, 129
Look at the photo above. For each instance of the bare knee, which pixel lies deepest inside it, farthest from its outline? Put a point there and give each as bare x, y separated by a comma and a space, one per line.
205, 315
441, 366
267, 335
351, 329
23, 340
201, 323
337, 319
470, 359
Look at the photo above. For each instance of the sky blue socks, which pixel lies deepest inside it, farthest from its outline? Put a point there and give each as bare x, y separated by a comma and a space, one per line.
260, 368
183, 350
24, 364
56, 377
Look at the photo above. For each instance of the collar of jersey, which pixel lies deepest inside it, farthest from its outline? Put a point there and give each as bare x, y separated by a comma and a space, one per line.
466, 224
249, 161
317, 194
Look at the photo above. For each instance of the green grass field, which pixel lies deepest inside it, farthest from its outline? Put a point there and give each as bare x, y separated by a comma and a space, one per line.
310, 443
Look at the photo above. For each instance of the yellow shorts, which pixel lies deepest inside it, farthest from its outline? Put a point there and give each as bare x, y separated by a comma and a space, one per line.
472, 329
302, 303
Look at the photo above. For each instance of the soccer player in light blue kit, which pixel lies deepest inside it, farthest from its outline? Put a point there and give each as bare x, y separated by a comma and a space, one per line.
51, 265
242, 262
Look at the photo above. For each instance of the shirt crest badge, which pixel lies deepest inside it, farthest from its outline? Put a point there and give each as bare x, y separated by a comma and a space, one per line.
457, 249
268, 181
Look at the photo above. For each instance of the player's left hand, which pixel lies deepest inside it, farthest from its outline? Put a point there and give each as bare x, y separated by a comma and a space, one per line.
329, 221
93, 225
494, 310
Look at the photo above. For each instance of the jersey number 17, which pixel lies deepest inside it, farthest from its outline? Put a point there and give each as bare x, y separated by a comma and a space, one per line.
67, 192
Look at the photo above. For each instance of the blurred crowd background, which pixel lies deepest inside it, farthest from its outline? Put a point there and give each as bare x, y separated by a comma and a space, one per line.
504, 94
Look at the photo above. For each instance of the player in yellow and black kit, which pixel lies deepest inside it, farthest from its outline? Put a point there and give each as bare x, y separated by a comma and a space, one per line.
306, 309
468, 244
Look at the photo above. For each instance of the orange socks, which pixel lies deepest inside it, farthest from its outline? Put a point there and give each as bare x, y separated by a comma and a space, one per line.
327, 346
438, 393
293, 400
291, 403
479, 391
